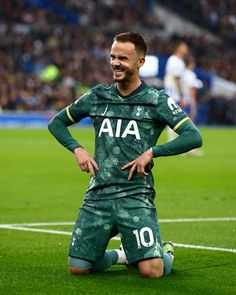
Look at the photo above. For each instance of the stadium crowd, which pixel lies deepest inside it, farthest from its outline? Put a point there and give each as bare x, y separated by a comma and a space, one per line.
217, 15
46, 62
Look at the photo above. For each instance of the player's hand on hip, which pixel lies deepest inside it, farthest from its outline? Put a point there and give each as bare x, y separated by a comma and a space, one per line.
85, 161
138, 165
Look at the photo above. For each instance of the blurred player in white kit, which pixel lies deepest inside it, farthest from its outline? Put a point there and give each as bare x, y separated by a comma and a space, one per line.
174, 71
190, 85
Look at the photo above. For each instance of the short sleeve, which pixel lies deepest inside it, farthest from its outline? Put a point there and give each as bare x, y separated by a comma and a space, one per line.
80, 108
191, 79
169, 111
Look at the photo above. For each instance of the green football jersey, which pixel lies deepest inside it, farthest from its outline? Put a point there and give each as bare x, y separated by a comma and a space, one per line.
125, 127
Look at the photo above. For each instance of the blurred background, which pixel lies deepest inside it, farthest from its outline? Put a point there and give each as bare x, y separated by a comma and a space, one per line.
52, 51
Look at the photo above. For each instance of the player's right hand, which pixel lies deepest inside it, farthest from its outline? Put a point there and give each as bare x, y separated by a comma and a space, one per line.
85, 161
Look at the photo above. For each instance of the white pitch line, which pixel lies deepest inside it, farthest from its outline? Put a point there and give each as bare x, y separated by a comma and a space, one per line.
39, 224
42, 230
204, 248
39, 230
197, 219
21, 228
160, 220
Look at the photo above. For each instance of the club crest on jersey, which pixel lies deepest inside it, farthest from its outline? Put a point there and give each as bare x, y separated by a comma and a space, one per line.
139, 110
130, 129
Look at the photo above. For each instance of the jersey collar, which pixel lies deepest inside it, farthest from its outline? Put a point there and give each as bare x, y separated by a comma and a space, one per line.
136, 91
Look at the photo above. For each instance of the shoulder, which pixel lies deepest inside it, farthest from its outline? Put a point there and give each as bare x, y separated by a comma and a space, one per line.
190, 73
154, 94
175, 65
101, 88
171, 59
152, 90
96, 91
189, 76
175, 60
161, 99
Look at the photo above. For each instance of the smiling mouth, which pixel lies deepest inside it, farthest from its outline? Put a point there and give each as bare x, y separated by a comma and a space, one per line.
118, 71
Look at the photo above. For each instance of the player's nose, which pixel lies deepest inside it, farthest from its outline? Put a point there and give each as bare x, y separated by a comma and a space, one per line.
115, 62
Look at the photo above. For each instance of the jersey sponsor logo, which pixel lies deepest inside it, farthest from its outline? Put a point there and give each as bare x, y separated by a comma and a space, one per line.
173, 106
130, 129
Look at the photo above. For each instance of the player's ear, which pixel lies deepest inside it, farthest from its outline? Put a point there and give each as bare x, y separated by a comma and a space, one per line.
141, 61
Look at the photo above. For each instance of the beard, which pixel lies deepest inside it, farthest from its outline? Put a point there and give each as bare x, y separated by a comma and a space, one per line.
121, 74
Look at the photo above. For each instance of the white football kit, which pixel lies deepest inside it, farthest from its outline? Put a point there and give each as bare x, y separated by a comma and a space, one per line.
189, 80
175, 68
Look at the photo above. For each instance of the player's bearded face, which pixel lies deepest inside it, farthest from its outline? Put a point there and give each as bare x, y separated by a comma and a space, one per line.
124, 61
122, 73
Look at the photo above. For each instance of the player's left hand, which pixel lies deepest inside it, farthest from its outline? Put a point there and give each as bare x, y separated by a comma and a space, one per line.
138, 165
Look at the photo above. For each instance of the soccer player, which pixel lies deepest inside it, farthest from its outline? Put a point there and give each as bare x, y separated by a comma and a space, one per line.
190, 85
174, 71
128, 117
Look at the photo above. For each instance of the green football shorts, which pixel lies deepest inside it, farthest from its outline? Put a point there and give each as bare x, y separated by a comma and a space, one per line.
134, 218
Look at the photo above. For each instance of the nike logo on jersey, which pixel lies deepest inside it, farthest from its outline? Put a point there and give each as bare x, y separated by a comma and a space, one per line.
130, 129
105, 110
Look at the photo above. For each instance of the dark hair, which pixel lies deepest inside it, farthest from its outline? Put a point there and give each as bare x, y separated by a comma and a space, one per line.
134, 38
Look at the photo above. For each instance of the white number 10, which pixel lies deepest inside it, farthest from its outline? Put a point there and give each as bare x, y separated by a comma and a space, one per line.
141, 240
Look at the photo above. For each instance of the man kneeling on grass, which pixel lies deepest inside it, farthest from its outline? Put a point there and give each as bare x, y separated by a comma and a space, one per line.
128, 118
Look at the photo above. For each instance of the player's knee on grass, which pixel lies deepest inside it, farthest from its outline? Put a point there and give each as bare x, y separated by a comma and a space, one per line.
79, 266
75, 271
151, 268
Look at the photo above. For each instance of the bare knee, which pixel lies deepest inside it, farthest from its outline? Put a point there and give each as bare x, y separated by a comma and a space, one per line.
79, 266
76, 271
151, 268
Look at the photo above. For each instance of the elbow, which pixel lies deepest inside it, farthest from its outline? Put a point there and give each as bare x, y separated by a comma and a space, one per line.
53, 124
198, 139
50, 124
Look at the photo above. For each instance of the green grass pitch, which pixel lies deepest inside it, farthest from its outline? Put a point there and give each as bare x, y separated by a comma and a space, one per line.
40, 182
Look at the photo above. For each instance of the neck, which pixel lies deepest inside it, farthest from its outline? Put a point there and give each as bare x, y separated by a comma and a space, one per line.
179, 55
125, 88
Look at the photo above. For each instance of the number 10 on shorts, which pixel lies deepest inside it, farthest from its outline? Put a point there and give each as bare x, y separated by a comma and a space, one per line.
144, 237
